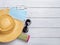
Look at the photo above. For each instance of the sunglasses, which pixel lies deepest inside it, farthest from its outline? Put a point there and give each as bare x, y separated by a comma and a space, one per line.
27, 23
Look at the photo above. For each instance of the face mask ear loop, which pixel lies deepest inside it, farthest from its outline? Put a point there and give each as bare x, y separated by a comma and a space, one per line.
21, 7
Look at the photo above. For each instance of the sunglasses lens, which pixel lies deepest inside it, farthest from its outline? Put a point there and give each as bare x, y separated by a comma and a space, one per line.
28, 22
25, 30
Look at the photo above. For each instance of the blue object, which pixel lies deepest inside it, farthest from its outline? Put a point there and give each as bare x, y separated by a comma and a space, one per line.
18, 13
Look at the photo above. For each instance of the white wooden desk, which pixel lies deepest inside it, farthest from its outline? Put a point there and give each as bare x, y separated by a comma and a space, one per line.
45, 16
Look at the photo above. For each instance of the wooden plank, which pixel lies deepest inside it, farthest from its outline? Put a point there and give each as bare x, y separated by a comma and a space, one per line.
11, 3
44, 32
42, 3
15, 42
43, 12
45, 22
45, 41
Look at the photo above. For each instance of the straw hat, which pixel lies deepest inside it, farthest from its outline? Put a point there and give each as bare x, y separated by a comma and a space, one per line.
10, 28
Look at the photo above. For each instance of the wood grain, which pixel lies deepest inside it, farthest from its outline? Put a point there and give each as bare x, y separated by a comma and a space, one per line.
45, 41
43, 12
44, 32
45, 22
42, 3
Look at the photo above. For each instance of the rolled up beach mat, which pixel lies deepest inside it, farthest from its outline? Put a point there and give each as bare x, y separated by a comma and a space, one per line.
24, 37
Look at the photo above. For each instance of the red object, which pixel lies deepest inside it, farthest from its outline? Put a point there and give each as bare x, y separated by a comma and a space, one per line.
28, 38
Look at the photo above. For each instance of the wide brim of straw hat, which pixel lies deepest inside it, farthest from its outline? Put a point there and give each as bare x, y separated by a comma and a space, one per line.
17, 30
